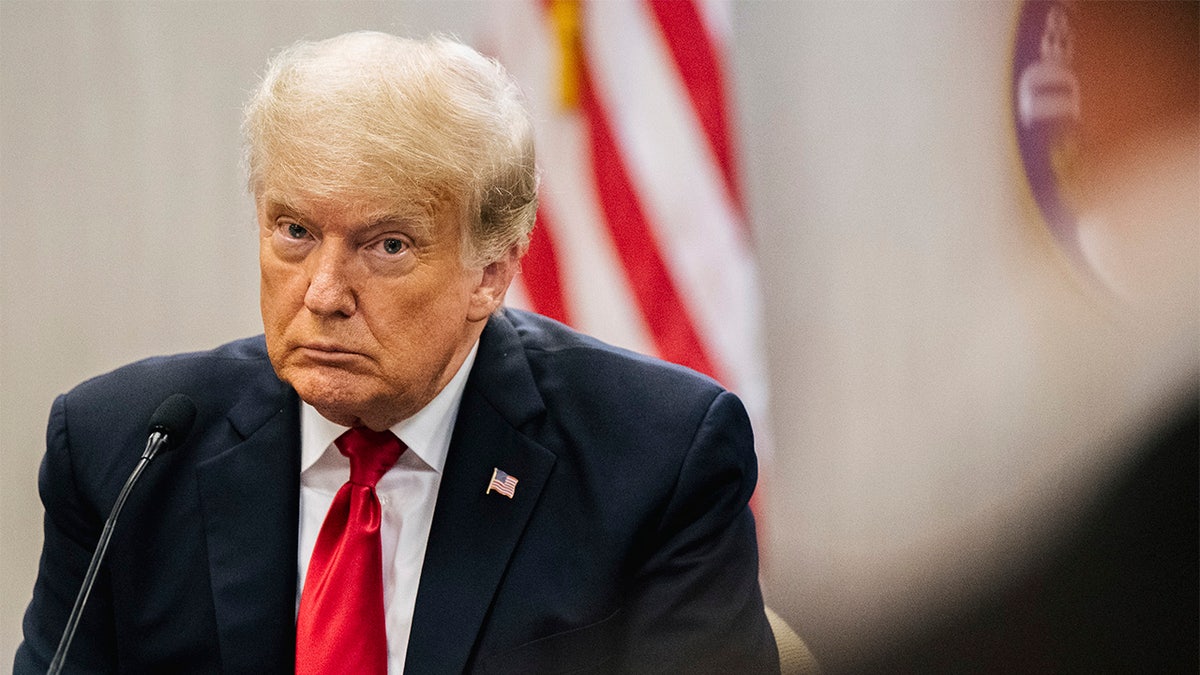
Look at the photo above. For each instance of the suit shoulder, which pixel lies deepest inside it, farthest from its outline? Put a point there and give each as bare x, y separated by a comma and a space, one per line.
228, 368
551, 342
92, 427
587, 383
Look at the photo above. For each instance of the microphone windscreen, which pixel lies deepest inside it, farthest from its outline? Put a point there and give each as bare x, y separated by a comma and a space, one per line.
174, 418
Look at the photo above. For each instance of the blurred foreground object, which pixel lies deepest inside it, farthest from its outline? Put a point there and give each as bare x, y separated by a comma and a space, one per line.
995, 466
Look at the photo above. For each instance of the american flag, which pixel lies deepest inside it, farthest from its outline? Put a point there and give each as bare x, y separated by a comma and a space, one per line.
502, 483
641, 237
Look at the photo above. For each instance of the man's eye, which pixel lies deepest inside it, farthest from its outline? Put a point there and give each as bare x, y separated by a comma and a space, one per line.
296, 231
392, 246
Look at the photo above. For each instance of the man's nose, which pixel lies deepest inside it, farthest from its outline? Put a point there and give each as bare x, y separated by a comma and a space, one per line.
330, 287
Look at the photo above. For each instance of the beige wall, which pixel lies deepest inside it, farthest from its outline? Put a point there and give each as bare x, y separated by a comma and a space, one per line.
947, 391
941, 379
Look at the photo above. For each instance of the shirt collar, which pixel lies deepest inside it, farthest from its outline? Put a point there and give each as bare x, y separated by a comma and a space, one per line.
426, 433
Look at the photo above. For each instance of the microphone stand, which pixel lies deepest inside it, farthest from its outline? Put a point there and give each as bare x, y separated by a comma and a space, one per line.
157, 439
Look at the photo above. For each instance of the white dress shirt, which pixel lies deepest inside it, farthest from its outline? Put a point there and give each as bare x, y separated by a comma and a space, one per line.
407, 494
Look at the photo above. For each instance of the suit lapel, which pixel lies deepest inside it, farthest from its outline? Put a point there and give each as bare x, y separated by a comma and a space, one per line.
250, 500
473, 534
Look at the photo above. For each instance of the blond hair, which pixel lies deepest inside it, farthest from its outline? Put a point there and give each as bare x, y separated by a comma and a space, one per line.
430, 124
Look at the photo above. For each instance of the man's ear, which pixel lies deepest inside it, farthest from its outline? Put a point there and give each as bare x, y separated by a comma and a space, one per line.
493, 284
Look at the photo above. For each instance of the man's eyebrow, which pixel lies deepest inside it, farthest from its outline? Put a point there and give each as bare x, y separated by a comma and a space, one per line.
398, 218
415, 220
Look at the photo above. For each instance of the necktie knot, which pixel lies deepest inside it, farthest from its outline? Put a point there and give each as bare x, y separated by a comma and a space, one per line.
371, 453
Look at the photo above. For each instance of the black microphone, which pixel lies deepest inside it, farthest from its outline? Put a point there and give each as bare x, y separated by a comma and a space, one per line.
169, 426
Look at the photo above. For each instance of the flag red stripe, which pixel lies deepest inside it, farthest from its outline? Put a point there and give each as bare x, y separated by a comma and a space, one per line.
665, 313
700, 69
540, 269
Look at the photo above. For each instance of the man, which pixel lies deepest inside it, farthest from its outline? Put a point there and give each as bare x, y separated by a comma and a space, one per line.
549, 503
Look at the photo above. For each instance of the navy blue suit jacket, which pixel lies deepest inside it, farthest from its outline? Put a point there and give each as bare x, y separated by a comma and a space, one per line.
628, 547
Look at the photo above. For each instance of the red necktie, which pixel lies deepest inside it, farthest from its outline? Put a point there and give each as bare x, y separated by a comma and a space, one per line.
340, 627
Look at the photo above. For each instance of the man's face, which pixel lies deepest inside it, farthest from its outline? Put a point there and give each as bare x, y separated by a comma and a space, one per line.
368, 313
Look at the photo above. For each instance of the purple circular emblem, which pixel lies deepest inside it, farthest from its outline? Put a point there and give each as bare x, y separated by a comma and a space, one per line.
1046, 111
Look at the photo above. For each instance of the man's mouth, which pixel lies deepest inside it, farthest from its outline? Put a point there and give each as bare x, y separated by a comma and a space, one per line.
327, 352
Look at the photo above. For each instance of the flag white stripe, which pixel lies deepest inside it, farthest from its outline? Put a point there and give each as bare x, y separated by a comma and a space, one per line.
718, 19
598, 293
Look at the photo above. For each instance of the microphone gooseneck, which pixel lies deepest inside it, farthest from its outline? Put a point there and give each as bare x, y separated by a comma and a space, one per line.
169, 426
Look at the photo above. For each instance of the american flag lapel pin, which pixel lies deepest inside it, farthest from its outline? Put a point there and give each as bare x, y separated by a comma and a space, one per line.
502, 483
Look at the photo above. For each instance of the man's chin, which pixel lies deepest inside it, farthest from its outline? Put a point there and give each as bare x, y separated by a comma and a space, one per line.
337, 398
337, 415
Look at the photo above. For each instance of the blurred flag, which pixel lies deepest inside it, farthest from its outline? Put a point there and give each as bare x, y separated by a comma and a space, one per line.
641, 238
